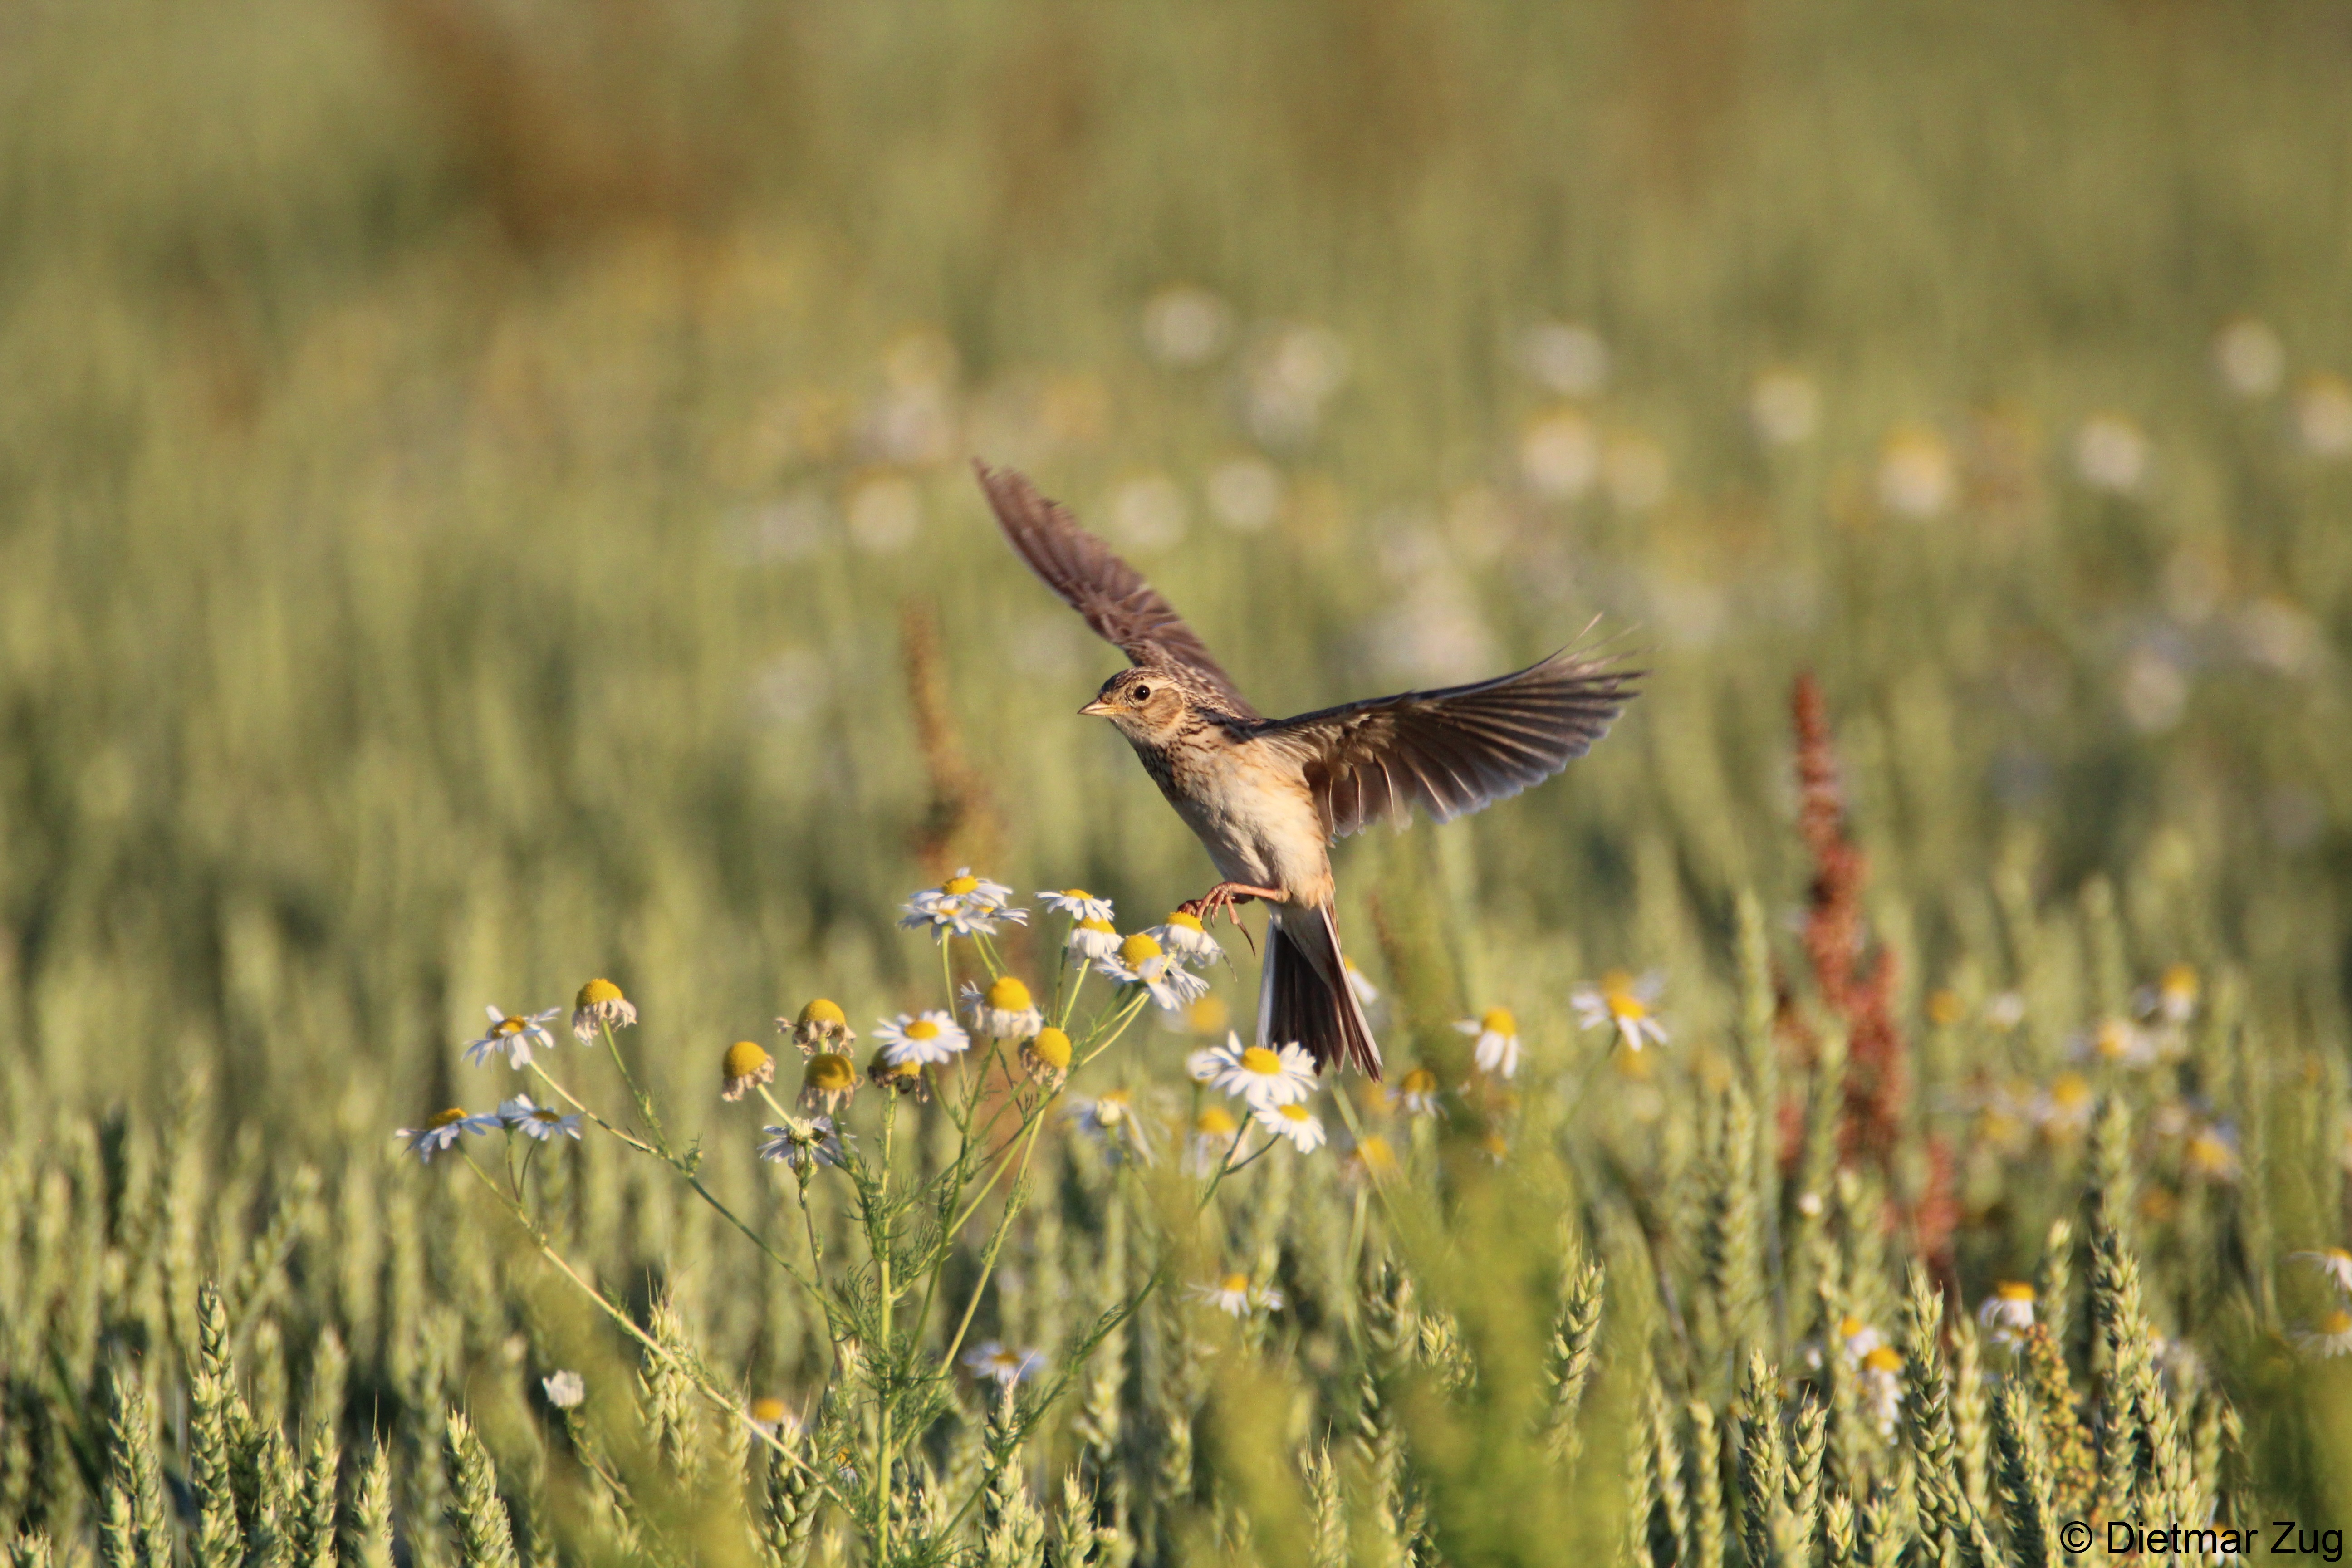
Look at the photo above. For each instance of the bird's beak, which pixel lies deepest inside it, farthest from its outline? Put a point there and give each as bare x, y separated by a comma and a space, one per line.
1098, 708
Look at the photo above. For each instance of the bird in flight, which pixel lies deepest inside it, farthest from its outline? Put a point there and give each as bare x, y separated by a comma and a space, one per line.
1267, 796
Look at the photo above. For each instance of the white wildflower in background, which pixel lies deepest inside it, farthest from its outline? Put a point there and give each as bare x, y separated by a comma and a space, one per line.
1259, 1076
2008, 1313
1092, 939
1880, 1384
1139, 960
994, 1359
1185, 940
600, 1005
884, 512
924, 1039
2248, 357
805, 1142
1373, 1159
1495, 1040
1183, 325
1148, 513
1004, 1011
1916, 476
2172, 999
1415, 1094
1367, 993
1246, 494
2323, 416
2115, 1042
1109, 1118
566, 1389
1235, 1295
1565, 357
2334, 1264
770, 1415
515, 1034
2154, 689
2331, 1336
2065, 1108
1292, 373
2005, 1009
542, 1122
2210, 1154
1213, 1140
2111, 454
1559, 456
1622, 1003
442, 1132
1294, 1122
1854, 1340
1077, 904
963, 905
1784, 407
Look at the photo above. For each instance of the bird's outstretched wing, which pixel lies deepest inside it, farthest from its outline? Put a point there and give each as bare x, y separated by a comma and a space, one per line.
1453, 750
1123, 609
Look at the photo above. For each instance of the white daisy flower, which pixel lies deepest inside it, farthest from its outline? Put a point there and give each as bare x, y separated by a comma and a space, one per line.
540, 1121
1622, 1003
443, 1131
1185, 940
566, 1389
992, 1358
2172, 999
963, 905
1881, 1387
805, 1144
2008, 1313
1092, 941
1294, 1122
1078, 904
1139, 960
2331, 1336
1498, 1040
2332, 1261
1234, 1294
1367, 993
1211, 1141
1259, 1077
2115, 1042
2005, 1009
1004, 1011
1109, 1118
925, 1040
1855, 1340
1416, 1094
515, 1034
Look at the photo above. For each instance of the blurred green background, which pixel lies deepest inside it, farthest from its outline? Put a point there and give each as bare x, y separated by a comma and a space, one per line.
467, 467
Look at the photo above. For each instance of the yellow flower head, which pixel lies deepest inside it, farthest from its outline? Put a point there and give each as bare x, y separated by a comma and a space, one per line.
1051, 1047
443, 1118
1008, 994
1376, 1157
1215, 1121
600, 1005
767, 1410
1138, 951
1883, 1358
2338, 1321
596, 993
2014, 1290
744, 1065
957, 887
1190, 922
827, 1081
822, 1026
1945, 1008
1499, 1021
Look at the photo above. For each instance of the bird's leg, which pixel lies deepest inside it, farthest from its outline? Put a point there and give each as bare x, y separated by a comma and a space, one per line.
1225, 896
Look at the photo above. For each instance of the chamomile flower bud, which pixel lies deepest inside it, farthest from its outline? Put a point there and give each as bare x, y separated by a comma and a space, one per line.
514, 1033
1004, 1011
924, 1039
1185, 940
1417, 1093
600, 1005
745, 1064
899, 1077
1140, 961
566, 1389
1293, 1122
1046, 1056
1497, 1040
1234, 1294
1077, 904
822, 1026
1260, 1077
544, 1122
1092, 941
828, 1080
442, 1132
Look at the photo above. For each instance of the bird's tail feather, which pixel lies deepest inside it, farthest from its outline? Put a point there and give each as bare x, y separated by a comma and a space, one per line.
1305, 997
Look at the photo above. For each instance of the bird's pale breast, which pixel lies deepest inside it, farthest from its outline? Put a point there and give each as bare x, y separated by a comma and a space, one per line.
1250, 808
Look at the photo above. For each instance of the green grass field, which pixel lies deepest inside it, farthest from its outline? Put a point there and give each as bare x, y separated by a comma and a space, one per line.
484, 504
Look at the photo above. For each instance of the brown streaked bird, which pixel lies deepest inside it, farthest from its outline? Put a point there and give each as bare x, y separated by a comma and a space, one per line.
1267, 796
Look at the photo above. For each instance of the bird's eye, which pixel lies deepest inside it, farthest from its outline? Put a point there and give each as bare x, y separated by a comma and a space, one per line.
1143, 694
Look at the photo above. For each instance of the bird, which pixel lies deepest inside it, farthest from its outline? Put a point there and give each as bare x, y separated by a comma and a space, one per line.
1267, 798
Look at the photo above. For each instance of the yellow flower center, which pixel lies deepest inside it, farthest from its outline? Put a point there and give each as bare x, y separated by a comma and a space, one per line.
1207, 1016
1626, 1008
743, 1059
960, 885
1495, 1144
1104, 927
1616, 982
1419, 1081
1234, 1284
768, 1411
1075, 893
1187, 922
596, 993
1499, 1021
1111, 1108
511, 1025
546, 1113
2070, 1088
2114, 1040
1848, 1327
1215, 1123
1376, 1155
2013, 1291
443, 1118
828, 1073
2180, 981
1293, 1113
2338, 1321
1137, 949
1258, 1059
2338, 1254
1944, 1007
1009, 995
823, 1012
1885, 1358
922, 1029
1052, 1046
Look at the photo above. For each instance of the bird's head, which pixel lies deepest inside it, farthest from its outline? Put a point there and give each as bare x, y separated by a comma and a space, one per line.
1147, 704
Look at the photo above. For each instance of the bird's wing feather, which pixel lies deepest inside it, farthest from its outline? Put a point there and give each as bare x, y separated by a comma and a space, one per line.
1453, 750
1123, 609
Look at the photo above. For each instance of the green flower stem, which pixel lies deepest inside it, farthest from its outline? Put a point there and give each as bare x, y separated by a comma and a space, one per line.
995, 1242
877, 1232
